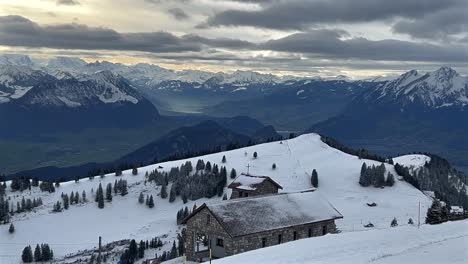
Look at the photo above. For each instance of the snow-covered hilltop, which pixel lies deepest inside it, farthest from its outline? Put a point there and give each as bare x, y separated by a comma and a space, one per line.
124, 217
440, 88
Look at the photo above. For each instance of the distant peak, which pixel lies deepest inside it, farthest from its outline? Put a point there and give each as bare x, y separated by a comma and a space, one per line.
445, 71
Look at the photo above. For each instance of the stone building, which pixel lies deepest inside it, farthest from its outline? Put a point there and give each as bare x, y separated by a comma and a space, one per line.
246, 185
244, 224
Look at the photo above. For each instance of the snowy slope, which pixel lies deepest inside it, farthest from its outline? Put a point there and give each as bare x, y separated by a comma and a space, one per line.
445, 243
412, 160
125, 218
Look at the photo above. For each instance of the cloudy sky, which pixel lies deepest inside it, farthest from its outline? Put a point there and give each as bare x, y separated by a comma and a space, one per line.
357, 38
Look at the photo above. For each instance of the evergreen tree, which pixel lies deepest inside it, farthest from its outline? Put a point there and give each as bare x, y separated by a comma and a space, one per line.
57, 207
141, 198
109, 192
208, 166
434, 213
394, 222
11, 229
255, 155
390, 180
37, 254
410, 221
27, 255
66, 202
123, 188
118, 172
233, 173
314, 178
200, 165
273, 167
151, 202
100, 197
173, 253
141, 250
172, 194
224, 159
364, 179
133, 251
135, 171
164, 190
83, 195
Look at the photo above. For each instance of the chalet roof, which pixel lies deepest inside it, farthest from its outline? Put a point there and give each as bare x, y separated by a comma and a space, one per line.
250, 182
255, 214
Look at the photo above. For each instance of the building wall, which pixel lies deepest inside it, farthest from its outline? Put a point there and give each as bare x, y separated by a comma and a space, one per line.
198, 224
265, 187
254, 241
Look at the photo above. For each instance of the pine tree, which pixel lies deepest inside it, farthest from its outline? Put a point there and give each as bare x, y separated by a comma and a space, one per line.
135, 171
141, 198
123, 188
151, 202
255, 155
233, 173
133, 251
11, 229
364, 179
314, 178
83, 195
164, 191
109, 192
27, 255
390, 180
410, 221
100, 197
273, 167
141, 250
66, 202
173, 253
208, 166
37, 254
172, 194
224, 159
394, 222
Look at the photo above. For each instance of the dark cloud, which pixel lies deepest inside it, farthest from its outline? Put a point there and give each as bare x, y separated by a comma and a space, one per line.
332, 44
67, 2
300, 14
19, 31
178, 13
438, 25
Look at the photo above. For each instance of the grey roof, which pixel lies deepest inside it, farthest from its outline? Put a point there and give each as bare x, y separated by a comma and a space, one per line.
263, 213
250, 182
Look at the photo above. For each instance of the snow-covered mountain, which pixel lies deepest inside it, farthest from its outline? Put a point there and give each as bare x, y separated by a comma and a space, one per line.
124, 218
441, 88
34, 98
16, 59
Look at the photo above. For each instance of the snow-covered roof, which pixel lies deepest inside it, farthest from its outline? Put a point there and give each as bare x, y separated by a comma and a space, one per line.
456, 209
250, 182
244, 216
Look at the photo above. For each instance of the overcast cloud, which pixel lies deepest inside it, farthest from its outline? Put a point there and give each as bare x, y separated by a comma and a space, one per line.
267, 35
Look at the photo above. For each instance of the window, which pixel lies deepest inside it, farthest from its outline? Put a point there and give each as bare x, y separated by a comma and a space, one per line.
219, 242
264, 242
295, 235
324, 230
280, 239
208, 218
310, 232
241, 194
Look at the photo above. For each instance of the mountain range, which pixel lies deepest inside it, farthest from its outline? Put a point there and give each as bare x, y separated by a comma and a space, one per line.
415, 112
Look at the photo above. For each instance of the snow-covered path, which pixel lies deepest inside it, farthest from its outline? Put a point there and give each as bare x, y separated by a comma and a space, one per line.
444, 243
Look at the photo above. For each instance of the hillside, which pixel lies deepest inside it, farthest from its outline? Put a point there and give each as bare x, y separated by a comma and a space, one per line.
125, 218
444, 243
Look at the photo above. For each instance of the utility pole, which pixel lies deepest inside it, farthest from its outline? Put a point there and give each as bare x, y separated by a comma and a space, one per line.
419, 214
248, 169
99, 252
